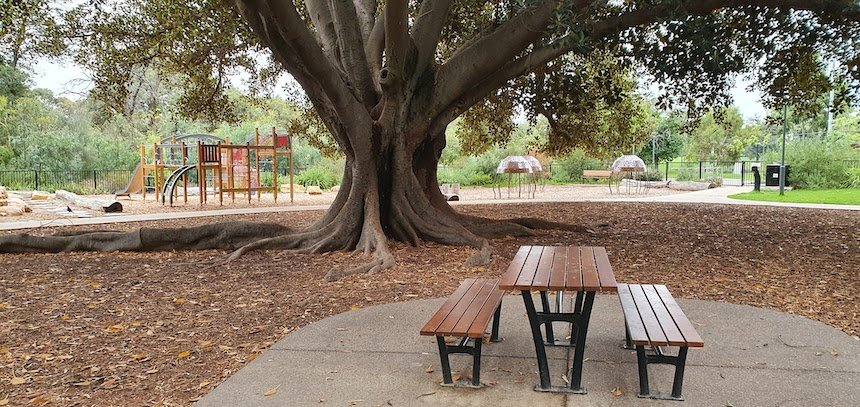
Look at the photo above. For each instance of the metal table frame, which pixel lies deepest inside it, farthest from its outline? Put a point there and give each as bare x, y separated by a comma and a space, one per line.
579, 320
584, 270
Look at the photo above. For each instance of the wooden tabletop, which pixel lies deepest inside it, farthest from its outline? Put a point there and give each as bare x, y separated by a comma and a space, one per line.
560, 268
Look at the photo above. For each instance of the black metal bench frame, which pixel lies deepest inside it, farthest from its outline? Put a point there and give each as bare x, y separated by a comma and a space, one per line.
655, 355
464, 347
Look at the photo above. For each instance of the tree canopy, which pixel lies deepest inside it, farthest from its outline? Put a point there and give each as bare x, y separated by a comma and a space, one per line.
385, 79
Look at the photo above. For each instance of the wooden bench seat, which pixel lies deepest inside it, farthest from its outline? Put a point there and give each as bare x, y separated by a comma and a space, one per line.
465, 315
599, 174
654, 319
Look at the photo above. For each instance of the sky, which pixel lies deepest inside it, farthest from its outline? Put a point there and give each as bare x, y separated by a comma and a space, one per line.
71, 81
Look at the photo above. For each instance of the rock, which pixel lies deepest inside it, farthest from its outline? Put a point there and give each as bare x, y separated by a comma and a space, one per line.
314, 190
335, 188
40, 196
296, 188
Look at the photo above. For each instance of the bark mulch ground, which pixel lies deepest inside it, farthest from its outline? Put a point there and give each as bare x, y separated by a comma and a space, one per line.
97, 329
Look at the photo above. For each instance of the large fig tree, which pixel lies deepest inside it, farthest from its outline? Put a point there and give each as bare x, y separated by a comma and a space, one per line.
385, 78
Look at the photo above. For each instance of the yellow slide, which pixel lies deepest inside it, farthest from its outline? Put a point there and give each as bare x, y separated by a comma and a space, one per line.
135, 184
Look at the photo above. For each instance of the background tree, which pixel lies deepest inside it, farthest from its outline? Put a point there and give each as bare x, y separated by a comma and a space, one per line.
386, 79
667, 141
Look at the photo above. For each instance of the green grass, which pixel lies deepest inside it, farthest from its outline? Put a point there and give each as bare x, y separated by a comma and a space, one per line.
822, 196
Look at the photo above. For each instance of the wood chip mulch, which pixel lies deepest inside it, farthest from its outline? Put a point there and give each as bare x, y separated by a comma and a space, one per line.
102, 329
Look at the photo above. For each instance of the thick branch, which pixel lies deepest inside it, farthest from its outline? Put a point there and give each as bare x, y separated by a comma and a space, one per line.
428, 30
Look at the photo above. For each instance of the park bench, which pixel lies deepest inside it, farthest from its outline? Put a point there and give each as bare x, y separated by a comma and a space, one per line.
654, 319
599, 174
465, 315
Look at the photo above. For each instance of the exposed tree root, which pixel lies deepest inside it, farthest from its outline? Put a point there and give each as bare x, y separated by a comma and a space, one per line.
224, 236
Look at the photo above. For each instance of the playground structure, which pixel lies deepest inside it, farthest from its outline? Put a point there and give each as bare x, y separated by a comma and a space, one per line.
211, 164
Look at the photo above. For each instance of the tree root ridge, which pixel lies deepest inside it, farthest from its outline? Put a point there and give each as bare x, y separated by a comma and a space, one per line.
224, 236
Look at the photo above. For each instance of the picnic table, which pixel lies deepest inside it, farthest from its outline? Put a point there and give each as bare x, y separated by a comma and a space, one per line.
584, 270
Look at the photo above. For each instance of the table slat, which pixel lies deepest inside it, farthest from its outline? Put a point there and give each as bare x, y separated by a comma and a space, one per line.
480, 323
604, 270
574, 270
465, 322
673, 335
690, 335
590, 280
510, 277
634, 322
559, 263
529, 268
544, 267
649, 319
440, 315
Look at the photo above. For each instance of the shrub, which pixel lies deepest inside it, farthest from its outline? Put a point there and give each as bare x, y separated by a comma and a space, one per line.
815, 164
687, 174
325, 174
569, 168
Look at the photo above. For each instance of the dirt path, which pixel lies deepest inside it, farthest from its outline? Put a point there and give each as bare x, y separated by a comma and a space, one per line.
165, 328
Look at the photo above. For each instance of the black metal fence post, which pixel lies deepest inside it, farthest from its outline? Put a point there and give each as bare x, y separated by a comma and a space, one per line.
700, 170
743, 171
667, 170
36, 173
95, 181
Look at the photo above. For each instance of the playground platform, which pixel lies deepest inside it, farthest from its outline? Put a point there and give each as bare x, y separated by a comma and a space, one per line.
752, 357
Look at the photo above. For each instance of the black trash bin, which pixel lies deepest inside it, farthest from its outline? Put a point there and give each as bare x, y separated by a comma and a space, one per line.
772, 175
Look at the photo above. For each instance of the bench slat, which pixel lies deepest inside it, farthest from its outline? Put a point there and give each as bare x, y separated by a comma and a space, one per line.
477, 304
574, 270
510, 277
483, 317
634, 321
690, 335
440, 315
590, 280
673, 335
604, 270
544, 267
462, 305
528, 272
649, 319
559, 262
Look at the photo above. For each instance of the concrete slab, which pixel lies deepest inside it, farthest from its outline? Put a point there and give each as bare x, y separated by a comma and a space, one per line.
375, 357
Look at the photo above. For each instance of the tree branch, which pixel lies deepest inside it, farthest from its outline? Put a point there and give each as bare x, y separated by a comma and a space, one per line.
489, 53
351, 44
428, 29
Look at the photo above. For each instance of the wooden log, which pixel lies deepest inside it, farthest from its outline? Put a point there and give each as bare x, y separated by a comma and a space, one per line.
91, 203
690, 185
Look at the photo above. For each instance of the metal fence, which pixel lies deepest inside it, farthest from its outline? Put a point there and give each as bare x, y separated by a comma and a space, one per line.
79, 181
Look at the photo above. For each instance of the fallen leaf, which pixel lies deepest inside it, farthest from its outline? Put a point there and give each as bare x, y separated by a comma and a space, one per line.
205, 344
616, 391
355, 308
203, 384
428, 369
82, 384
455, 377
40, 400
95, 284
115, 328
184, 354
17, 380
341, 329
2, 306
271, 391
834, 353
4, 350
179, 300
5, 401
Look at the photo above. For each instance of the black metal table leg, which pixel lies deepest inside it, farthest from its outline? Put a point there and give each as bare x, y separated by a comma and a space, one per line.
544, 302
540, 350
581, 324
